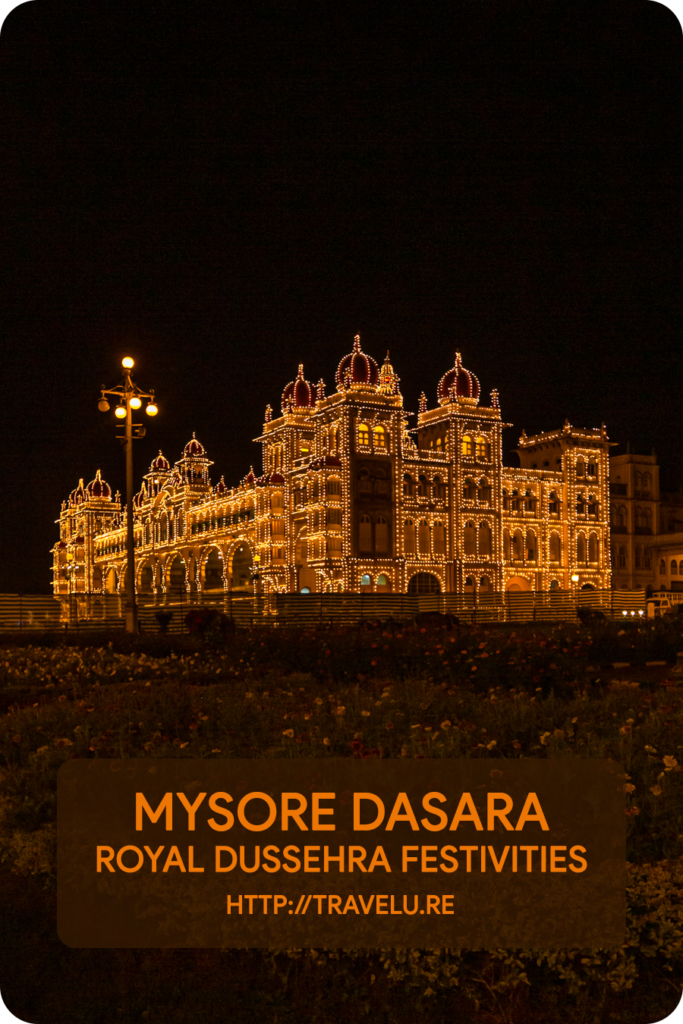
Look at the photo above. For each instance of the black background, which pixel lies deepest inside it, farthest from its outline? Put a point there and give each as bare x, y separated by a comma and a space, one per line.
225, 193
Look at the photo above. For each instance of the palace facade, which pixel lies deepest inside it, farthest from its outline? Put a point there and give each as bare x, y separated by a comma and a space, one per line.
351, 499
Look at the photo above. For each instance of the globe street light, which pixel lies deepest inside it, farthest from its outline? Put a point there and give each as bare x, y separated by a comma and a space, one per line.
129, 397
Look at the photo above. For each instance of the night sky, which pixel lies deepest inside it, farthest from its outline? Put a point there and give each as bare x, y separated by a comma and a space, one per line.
225, 194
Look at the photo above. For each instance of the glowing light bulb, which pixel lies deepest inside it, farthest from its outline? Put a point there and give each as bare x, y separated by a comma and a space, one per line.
103, 404
120, 411
135, 402
128, 363
151, 409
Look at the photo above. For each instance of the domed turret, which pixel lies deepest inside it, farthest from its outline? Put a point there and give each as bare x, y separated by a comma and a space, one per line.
458, 384
194, 449
160, 464
99, 488
78, 493
220, 486
356, 368
298, 394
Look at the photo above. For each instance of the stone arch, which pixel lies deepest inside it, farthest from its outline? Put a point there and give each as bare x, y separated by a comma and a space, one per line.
555, 547
146, 576
518, 584
593, 548
211, 570
111, 580
383, 583
239, 567
424, 583
176, 575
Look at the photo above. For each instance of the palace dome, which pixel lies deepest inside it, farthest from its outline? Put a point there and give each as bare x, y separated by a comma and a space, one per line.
160, 464
458, 383
99, 488
78, 493
298, 394
357, 368
276, 478
193, 449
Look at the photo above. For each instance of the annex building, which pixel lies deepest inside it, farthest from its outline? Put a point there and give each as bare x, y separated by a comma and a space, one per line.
350, 499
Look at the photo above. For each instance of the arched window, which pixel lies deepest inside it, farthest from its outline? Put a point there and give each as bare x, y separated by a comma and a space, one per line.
380, 437
647, 485
365, 581
529, 502
555, 548
638, 483
381, 535
580, 504
581, 549
484, 492
422, 486
506, 500
423, 537
438, 444
467, 446
580, 467
469, 490
409, 537
484, 544
408, 485
506, 545
439, 539
363, 434
163, 529
334, 438
365, 534
558, 463
439, 488
674, 567
517, 546
592, 548
485, 585
647, 558
481, 448
622, 557
553, 504
662, 567
592, 505
469, 539
531, 547
333, 487
364, 482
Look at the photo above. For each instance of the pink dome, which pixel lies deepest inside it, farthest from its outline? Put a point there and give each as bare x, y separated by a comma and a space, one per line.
299, 394
357, 368
458, 383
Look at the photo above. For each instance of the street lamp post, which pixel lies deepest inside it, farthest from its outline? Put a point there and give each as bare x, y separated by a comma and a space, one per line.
129, 397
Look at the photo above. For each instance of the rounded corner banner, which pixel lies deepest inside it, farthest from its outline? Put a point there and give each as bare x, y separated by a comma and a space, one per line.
341, 853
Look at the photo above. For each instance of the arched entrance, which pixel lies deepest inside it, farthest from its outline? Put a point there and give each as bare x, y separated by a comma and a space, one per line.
176, 576
146, 583
241, 567
518, 584
305, 575
213, 571
424, 583
111, 581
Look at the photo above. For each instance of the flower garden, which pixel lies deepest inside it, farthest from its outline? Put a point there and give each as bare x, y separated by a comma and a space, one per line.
384, 691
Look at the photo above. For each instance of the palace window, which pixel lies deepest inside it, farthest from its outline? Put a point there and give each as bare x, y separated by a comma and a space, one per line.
592, 548
439, 539
555, 547
380, 437
581, 549
553, 504
470, 490
674, 567
363, 434
381, 536
469, 539
422, 486
333, 487
481, 448
423, 537
409, 537
365, 534
467, 446
484, 539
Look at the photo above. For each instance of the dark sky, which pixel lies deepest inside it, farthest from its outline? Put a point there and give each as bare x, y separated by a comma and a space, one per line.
223, 194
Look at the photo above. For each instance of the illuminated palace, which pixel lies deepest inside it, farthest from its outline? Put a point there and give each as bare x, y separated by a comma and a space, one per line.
350, 499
